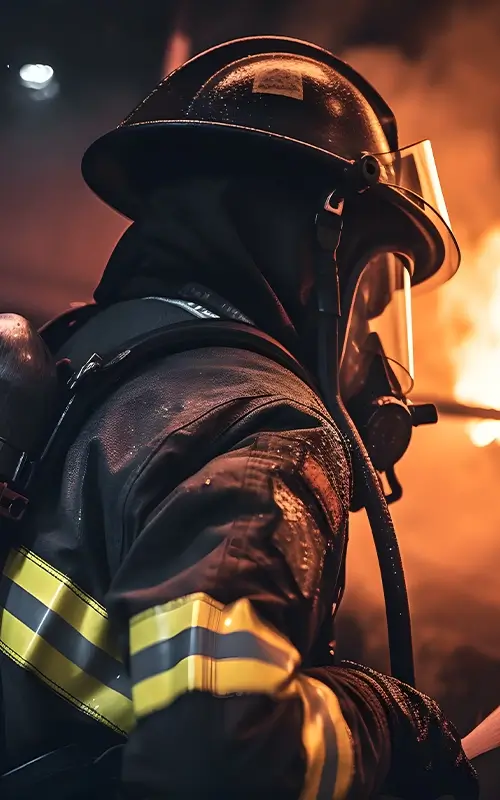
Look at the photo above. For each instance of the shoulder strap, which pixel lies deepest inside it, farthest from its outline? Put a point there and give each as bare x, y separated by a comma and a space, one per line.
184, 336
101, 374
58, 330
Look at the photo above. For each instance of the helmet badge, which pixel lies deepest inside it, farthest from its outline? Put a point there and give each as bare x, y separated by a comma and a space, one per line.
279, 81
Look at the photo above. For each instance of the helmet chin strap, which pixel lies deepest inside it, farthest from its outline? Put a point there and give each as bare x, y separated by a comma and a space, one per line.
329, 223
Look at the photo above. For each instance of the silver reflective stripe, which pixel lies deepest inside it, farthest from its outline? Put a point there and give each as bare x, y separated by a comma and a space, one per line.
242, 645
194, 308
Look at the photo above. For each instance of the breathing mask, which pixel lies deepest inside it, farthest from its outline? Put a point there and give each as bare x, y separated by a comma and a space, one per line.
377, 365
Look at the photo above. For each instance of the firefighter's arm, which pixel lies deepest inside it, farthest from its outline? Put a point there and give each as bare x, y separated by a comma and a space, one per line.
221, 594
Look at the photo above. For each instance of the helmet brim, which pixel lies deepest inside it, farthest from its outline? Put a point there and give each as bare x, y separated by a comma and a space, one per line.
125, 166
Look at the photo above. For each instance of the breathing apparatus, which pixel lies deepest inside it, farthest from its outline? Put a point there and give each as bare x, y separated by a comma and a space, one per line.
377, 423
329, 230
28, 391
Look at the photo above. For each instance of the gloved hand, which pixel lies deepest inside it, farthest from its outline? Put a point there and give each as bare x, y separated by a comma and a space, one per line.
427, 760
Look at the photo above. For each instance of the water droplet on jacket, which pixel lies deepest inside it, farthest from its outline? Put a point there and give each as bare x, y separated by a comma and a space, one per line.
299, 539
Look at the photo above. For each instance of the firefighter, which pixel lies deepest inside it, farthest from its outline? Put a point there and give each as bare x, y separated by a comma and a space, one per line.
168, 607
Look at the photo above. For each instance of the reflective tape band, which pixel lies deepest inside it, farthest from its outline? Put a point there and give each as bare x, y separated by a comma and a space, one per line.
163, 623
195, 643
163, 656
199, 673
327, 742
52, 628
56, 591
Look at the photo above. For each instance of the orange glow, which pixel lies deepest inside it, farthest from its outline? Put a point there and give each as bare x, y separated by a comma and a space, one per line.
476, 292
177, 52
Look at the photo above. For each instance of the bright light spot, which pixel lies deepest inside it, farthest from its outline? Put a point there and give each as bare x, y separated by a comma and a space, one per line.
484, 433
36, 76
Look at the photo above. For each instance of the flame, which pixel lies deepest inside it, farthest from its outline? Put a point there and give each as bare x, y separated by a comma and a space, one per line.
477, 358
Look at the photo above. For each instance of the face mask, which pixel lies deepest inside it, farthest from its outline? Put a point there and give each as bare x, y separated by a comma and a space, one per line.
376, 373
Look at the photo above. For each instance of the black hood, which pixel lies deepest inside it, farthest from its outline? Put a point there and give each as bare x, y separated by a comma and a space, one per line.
250, 240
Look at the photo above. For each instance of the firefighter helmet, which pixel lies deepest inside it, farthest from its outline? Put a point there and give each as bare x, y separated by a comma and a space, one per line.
261, 99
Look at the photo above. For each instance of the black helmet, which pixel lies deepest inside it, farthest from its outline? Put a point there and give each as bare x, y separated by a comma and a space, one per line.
264, 96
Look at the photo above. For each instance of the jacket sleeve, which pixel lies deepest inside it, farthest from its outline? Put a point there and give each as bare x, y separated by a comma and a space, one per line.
225, 583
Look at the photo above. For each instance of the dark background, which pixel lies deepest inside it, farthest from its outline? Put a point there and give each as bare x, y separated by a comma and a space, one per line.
438, 62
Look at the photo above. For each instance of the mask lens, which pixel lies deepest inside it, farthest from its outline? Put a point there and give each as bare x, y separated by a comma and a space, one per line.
380, 323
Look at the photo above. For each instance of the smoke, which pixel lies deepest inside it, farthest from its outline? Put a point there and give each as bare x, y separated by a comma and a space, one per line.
451, 96
325, 23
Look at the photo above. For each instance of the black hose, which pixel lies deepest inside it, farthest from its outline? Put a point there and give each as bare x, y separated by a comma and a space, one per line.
384, 534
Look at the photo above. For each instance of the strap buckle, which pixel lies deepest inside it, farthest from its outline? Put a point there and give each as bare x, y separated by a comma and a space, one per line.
12, 503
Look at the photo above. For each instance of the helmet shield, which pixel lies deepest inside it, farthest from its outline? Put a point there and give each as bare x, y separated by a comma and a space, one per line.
412, 176
380, 324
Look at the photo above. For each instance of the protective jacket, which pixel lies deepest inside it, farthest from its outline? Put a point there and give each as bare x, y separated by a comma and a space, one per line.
167, 593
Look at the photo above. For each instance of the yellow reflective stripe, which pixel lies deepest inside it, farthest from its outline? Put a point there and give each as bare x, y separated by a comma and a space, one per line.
211, 647
56, 591
207, 646
49, 626
199, 673
312, 741
163, 623
33, 653
317, 717
345, 748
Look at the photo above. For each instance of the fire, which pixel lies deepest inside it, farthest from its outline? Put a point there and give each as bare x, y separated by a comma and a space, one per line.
477, 358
